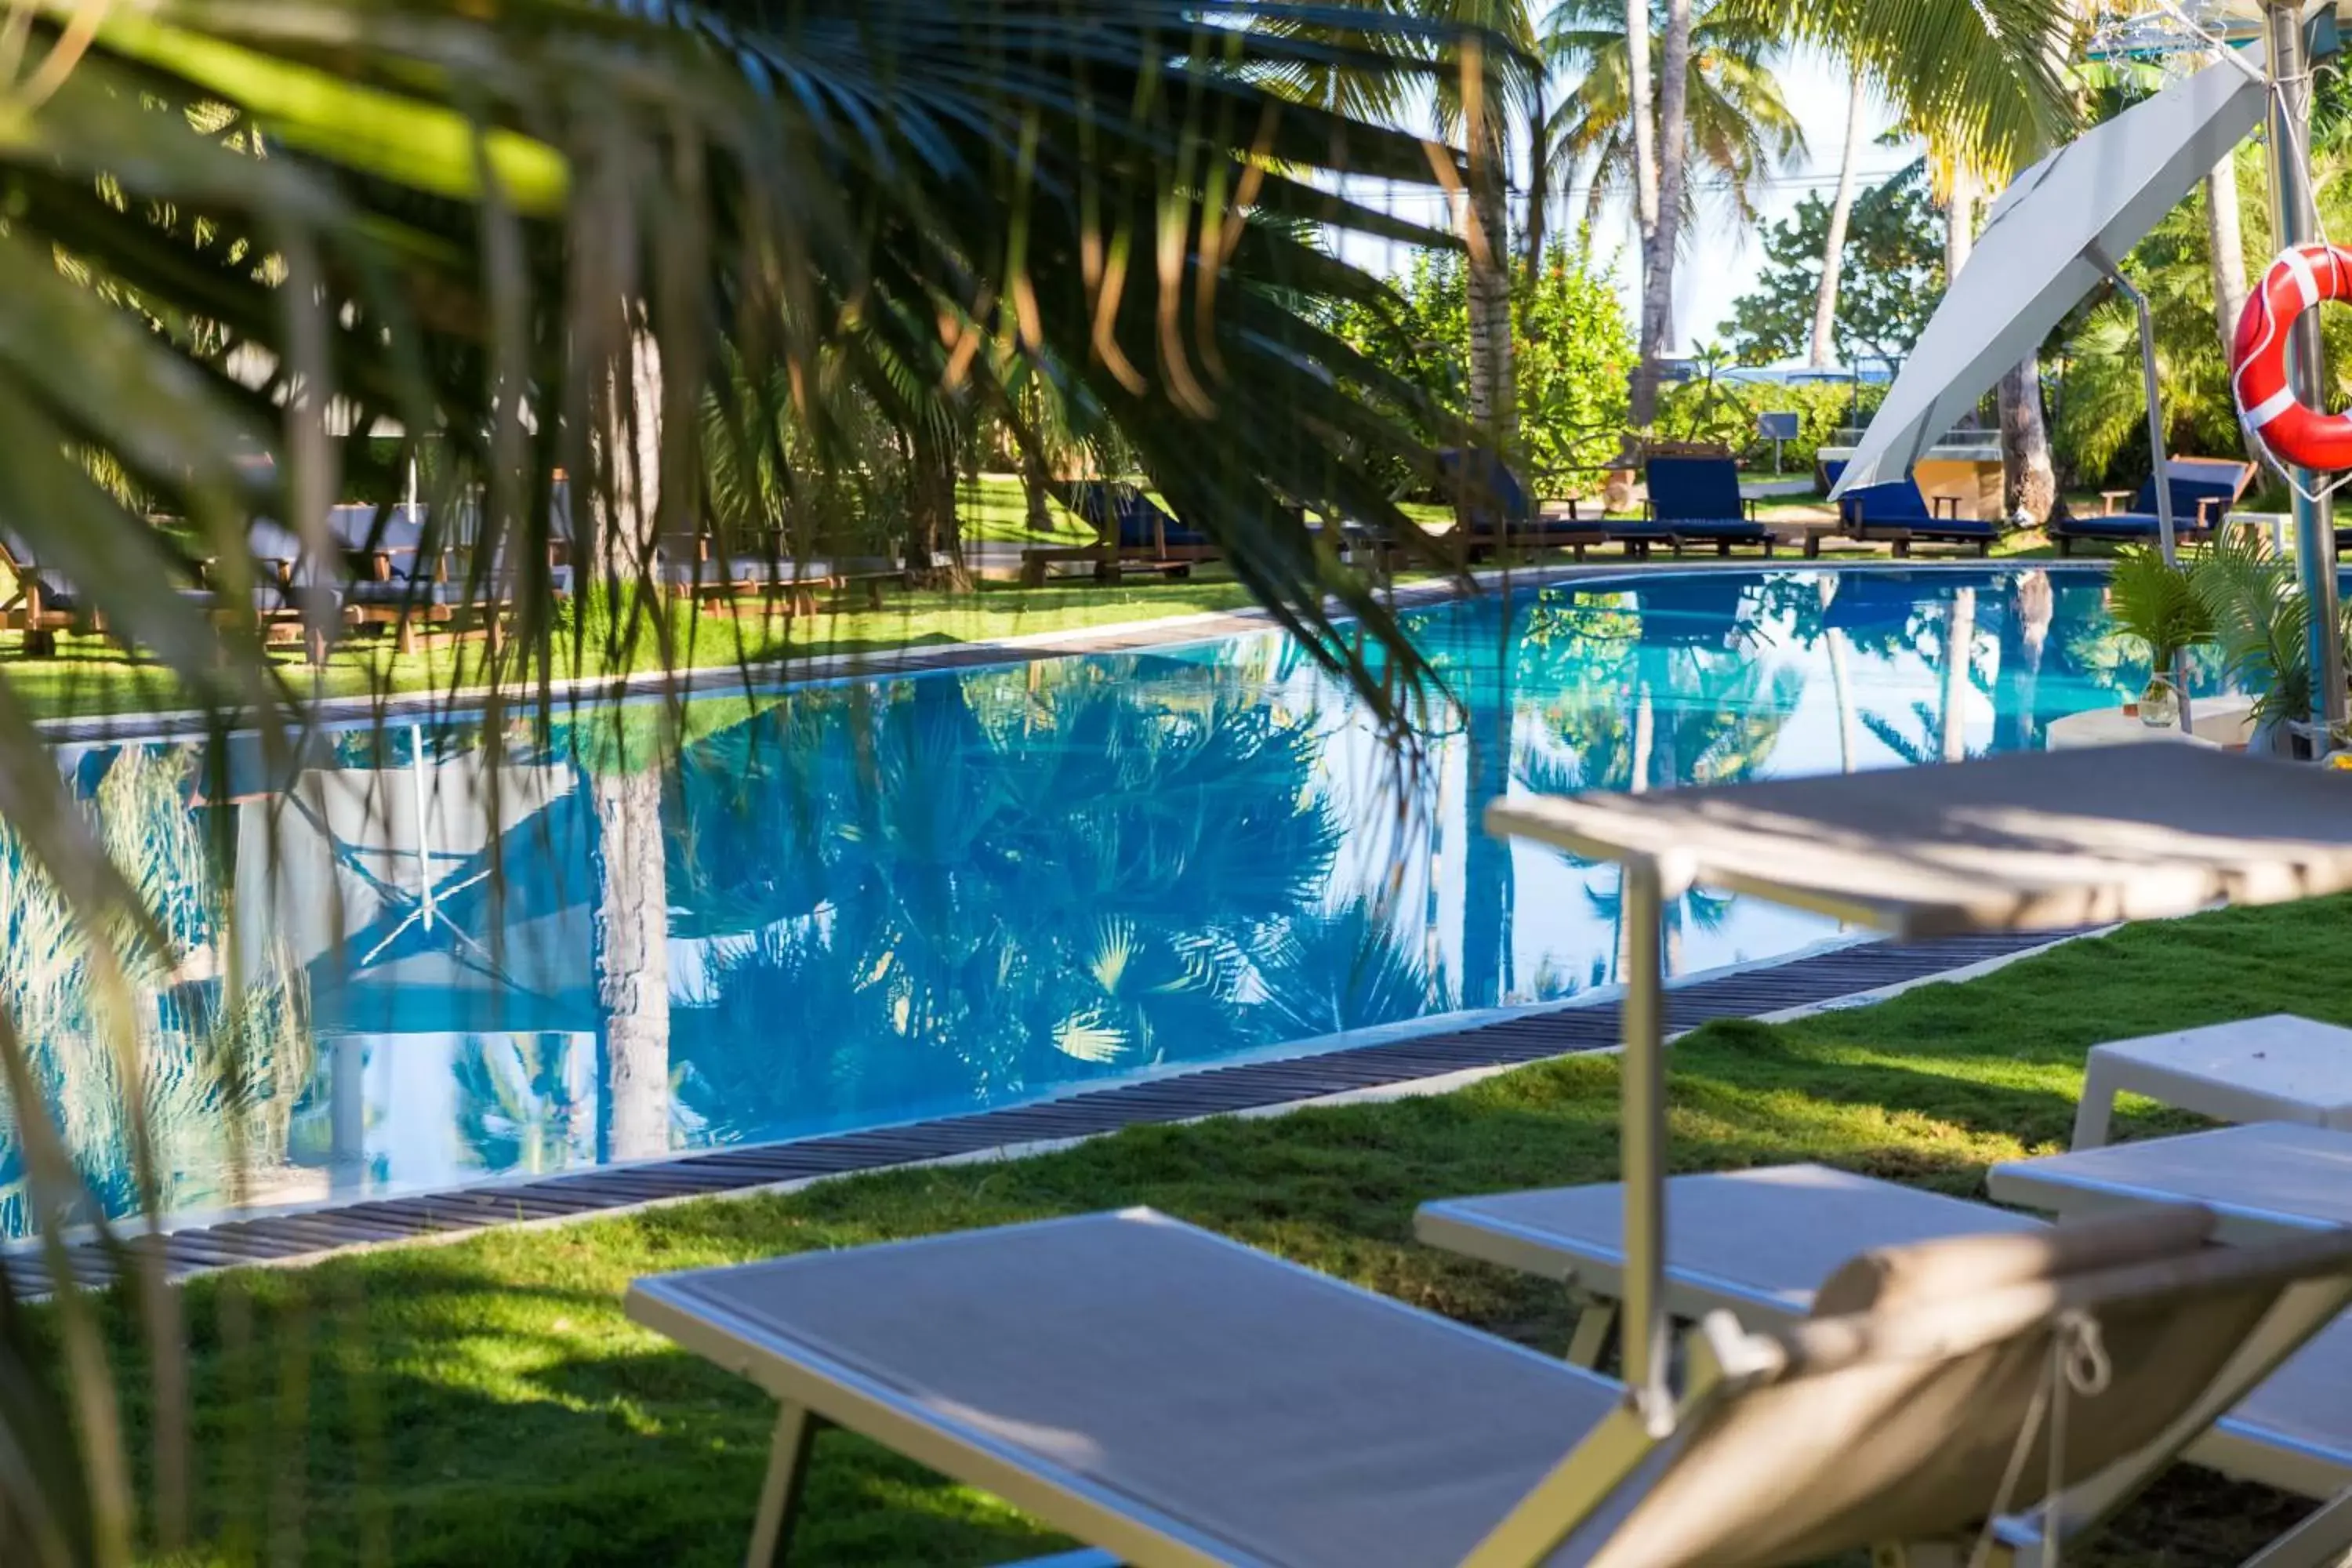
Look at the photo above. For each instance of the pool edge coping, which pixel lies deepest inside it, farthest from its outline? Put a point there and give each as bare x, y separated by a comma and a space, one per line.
473, 1210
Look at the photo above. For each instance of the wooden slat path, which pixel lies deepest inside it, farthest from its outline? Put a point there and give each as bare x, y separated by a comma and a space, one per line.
1209, 1091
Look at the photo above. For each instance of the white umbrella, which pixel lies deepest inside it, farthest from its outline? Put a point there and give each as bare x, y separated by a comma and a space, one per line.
2042, 254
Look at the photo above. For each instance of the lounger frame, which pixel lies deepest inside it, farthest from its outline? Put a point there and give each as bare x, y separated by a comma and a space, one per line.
1594, 1272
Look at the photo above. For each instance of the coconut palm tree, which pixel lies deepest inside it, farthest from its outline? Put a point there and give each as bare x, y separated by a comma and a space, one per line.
1646, 701
1740, 129
1822, 348
540, 236
1710, 65
1986, 80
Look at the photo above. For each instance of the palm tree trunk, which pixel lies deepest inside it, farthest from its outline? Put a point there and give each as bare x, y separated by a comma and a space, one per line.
1494, 399
934, 532
1539, 188
1825, 302
1658, 260
1959, 637
1645, 128
1486, 879
633, 962
2028, 480
1959, 222
1841, 689
1646, 739
627, 526
2024, 633
2225, 240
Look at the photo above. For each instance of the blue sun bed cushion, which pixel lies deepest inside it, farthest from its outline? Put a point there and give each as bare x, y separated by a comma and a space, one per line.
1141, 524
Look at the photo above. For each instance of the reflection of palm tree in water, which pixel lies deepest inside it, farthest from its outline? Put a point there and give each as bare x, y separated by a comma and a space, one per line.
1942, 727
516, 1108
1650, 700
2024, 635
959, 886
219, 1065
632, 928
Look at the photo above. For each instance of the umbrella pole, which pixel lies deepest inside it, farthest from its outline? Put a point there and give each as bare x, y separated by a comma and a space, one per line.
2166, 530
1642, 1144
2296, 222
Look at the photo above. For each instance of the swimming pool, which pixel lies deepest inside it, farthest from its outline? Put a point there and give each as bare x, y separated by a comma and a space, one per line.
867, 901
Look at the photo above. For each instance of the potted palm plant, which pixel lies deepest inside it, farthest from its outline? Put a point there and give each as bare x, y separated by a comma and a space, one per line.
2156, 601
2260, 622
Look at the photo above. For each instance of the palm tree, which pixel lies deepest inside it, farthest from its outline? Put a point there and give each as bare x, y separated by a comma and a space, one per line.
1740, 128
1823, 346
1714, 81
1986, 81
1644, 706
540, 236
1483, 85
988, 884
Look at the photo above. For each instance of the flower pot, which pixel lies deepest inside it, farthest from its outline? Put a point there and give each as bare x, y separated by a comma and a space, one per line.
2159, 704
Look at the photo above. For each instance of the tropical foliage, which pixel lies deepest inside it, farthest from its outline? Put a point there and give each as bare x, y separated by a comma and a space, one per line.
1572, 352
538, 237
1739, 131
1708, 407
1891, 278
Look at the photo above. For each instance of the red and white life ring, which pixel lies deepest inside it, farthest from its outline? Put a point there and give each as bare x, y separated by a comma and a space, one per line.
2291, 430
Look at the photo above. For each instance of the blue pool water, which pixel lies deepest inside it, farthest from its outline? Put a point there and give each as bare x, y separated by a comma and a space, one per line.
864, 902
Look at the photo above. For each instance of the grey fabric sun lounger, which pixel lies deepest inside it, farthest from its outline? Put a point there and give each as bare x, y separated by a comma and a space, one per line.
1172, 1398
1759, 1243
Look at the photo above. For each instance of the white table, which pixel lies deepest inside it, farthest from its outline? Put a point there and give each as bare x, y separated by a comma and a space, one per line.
2279, 525
2214, 721
2274, 1069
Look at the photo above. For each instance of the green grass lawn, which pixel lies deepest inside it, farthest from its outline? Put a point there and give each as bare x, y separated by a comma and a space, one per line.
487, 1402
93, 675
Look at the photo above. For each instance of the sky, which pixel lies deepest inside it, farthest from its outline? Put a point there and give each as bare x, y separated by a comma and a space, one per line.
1719, 260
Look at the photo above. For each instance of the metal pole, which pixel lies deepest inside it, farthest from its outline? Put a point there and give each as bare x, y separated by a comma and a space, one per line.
2166, 533
1642, 1144
2296, 221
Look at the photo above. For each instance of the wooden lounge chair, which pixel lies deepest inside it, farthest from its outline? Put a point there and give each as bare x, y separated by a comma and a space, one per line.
290, 594
2203, 490
1495, 514
1760, 1244
1169, 1397
692, 569
404, 574
1693, 500
1897, 513
45, 602
1132, 531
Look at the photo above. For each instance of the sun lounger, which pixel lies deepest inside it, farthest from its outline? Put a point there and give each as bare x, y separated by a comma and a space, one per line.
1694, 501
2266, 1179
1897, 513
44, 601
690, 569
2203, 490
1169, 1397
1134, 533
1494, 512
1759, 1243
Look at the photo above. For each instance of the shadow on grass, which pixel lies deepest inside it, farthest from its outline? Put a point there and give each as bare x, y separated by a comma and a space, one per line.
489, 1401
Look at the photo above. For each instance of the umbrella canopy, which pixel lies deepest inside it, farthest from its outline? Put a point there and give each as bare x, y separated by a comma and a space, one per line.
2099, 195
